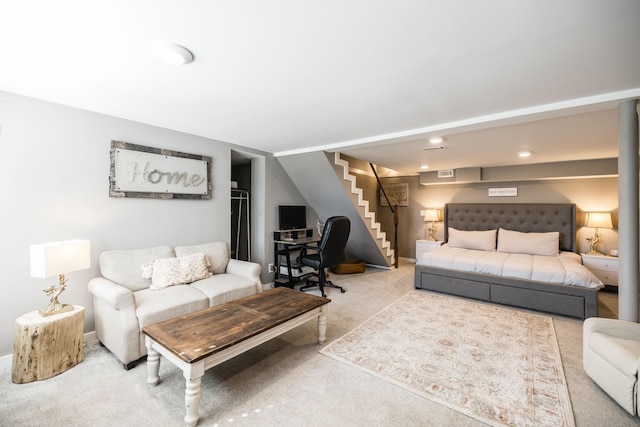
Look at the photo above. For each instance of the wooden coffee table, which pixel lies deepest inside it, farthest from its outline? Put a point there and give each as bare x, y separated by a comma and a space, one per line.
201, 340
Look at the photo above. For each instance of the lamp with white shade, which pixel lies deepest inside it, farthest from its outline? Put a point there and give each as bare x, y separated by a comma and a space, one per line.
597, 220
56, 259
432, 215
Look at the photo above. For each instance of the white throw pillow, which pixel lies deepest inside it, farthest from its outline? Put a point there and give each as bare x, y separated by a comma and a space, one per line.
516, 242
174, 271
217, 252
478, 240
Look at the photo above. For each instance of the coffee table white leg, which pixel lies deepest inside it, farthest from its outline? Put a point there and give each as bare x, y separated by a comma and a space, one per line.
193, 375
322, 324
153, 362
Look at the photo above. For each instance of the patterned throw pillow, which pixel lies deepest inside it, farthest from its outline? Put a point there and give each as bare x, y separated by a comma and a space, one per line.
217, 252
174, 271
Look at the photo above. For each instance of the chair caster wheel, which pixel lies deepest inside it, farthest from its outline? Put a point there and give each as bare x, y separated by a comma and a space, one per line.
342, 291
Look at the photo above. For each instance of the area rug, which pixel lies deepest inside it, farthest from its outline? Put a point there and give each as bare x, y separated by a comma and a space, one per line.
497, 365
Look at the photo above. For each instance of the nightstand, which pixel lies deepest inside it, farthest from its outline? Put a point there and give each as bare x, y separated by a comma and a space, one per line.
604, 267
424, 246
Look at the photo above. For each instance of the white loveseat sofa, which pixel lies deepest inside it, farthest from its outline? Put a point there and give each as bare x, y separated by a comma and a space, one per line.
125, 301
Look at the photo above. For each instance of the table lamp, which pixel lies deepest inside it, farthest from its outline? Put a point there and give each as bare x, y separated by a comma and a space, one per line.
432, 215
58, 258
597, 220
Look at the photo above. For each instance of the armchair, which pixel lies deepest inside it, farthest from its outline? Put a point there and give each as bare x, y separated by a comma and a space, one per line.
611, 354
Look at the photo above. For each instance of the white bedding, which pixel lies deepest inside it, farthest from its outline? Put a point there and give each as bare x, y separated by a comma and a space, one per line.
566, 268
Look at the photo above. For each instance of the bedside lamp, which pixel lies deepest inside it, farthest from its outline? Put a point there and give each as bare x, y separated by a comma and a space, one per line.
58, 258
432, 215
597, 220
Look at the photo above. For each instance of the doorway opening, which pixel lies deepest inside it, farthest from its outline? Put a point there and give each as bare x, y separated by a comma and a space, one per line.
241, 177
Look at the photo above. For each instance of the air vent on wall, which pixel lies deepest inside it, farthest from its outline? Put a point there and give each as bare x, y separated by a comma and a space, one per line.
446, 173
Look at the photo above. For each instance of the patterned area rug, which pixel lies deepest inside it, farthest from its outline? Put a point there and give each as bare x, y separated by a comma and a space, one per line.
496, 365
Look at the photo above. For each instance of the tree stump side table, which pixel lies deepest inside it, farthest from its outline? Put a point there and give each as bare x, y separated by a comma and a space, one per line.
44, 347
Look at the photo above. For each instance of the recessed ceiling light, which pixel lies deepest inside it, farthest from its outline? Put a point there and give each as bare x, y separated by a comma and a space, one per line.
423, 167
436, 140
524, 153
172, 53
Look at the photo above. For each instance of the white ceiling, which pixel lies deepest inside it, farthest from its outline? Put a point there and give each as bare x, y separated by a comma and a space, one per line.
372, 79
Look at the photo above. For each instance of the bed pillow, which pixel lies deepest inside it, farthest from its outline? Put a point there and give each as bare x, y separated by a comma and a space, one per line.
166, 272
478, 240
516, 242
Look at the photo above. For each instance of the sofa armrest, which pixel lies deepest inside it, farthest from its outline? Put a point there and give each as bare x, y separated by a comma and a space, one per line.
250, 270
614, 327
116, 296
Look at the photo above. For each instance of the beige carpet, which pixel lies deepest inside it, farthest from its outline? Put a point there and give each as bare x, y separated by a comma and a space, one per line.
283, 382
497, 365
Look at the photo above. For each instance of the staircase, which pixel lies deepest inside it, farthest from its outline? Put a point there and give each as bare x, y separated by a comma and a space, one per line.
329, 189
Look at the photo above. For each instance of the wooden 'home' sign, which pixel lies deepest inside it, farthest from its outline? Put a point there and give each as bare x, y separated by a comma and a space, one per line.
139, 171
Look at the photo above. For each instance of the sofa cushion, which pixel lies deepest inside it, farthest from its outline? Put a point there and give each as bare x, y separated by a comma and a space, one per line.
166, 272
217, 252
124, 267
156, 306
224, 287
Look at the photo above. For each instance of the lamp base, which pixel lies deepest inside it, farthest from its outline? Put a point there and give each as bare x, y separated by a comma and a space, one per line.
54, 292
594, 252
61, 308
432, 232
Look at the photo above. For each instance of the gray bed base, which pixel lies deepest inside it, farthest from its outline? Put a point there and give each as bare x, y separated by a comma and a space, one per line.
574, 301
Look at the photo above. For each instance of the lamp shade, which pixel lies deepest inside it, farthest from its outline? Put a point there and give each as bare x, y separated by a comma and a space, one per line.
432, 215
52, 259
598, 220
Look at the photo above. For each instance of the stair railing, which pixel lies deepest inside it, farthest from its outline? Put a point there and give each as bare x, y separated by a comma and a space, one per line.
394, 210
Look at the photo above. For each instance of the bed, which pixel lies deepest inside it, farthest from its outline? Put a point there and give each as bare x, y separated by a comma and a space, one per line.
535, 294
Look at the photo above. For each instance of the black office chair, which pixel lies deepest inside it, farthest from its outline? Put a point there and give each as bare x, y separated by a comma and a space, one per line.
329, 253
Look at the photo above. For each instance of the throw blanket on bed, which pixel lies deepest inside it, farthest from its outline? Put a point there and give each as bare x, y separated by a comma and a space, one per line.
566, 268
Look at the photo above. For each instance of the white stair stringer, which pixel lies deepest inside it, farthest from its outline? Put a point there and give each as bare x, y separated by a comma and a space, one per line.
367, 215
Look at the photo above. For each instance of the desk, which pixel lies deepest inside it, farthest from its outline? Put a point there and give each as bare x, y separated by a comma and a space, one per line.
285, 242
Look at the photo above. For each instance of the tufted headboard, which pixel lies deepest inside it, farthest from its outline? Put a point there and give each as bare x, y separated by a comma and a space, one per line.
525, 217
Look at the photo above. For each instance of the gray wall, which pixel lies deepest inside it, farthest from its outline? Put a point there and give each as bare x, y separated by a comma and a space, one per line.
589, 194
54, 172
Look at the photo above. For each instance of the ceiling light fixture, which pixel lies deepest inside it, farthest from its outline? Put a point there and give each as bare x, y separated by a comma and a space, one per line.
436, 140
524, 154
172, 53
423, 167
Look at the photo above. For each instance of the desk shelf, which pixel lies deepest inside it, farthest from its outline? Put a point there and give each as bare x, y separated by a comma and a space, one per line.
292, 235
286, 242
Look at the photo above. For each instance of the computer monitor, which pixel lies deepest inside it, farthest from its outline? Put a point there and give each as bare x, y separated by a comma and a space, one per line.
292, 217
